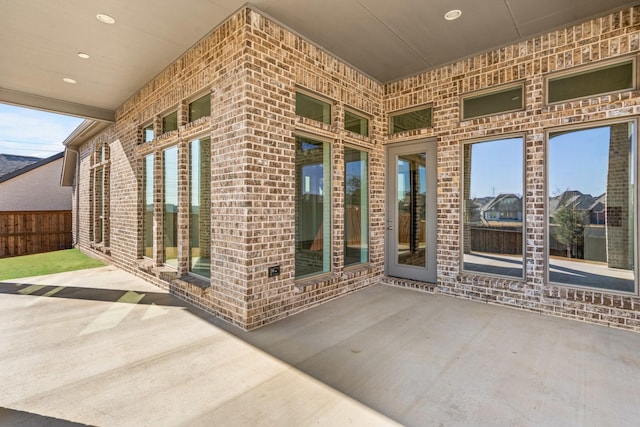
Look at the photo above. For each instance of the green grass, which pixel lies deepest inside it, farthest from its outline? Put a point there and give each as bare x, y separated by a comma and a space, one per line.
47, 263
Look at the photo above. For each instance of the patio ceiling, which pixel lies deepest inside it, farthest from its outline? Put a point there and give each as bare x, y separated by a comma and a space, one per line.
386, 40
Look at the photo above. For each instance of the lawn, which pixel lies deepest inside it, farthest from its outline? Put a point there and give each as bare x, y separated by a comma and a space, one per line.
47, 263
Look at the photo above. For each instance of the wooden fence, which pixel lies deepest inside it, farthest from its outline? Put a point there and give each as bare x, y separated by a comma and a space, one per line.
31, 232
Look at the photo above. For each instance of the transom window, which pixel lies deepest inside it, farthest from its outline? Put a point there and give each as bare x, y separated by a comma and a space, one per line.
170, 122
410, 120
147, 133
590, 81
494, 101
356, 123
201, 107
313, 108
591, 189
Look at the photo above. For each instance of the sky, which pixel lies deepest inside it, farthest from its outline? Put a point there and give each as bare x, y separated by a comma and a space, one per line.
27, 132
578, 160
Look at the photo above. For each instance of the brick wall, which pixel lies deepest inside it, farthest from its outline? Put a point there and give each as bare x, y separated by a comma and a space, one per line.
252, 67
603, 38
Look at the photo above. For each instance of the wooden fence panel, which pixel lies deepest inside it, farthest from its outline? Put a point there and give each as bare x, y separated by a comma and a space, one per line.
32, 232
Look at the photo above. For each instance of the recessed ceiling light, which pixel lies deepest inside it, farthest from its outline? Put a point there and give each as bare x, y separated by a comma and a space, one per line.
453, 14
83, 55
69, 80
105, 18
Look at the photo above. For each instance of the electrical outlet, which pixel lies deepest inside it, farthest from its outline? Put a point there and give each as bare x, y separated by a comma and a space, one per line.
274, 271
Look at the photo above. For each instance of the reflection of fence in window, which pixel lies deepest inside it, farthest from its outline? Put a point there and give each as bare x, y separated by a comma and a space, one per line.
591, 220
496, 240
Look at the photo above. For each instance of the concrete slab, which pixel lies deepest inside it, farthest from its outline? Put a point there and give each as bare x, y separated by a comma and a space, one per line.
101, 347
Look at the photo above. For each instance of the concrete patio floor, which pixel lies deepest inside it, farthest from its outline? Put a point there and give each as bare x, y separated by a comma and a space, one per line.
102, 347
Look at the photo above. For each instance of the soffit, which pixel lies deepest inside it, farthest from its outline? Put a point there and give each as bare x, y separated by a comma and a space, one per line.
384, 39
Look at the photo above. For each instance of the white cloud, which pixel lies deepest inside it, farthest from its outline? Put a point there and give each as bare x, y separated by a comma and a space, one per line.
33, 133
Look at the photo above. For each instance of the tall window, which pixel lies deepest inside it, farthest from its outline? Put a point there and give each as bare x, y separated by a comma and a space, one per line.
313, 207
493, 207
590, 211
170, 217
200, 207
356, 207
99, 206
147, 208
100, 192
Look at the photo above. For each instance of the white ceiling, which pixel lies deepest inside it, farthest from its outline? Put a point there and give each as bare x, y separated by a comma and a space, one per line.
386, 39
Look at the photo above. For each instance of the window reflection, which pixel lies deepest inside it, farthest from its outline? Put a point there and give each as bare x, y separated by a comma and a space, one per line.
493, 207
591, 207
147, 209
356, 222
170, 220
313, 207
200, 207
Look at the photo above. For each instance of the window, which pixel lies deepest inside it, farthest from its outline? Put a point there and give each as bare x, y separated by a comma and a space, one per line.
356, 206
356, 123
99, 188
170, 217
607, 78
201, 107
591, 189
312, 108
312, 207
495, 101
147, 133
170, 122
200, 207
147, 208
410, 120
493, 207
99, 206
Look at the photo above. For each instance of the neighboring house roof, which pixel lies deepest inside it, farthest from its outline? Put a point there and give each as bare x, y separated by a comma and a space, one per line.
573, 198
29, 166
11, 162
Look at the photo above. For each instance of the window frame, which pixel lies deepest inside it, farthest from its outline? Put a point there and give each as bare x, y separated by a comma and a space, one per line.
193, 99
585, 69
165, 115
190, 140
143, 129
461, 269
152, 157
163, 152
358, 114
636, 192
344, 234
317, 97
332, 178
428, 106
494, 90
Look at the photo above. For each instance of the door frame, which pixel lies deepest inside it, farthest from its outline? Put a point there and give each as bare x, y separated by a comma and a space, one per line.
428, 273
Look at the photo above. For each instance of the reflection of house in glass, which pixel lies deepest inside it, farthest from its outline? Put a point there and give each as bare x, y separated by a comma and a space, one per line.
588, 217
504, 208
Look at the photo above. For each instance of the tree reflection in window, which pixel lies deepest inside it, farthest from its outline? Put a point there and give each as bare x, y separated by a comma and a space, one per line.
590, 210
